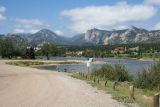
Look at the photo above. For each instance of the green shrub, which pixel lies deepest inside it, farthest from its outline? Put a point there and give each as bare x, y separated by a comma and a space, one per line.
121, 74
106, 71
116, 72
149, 78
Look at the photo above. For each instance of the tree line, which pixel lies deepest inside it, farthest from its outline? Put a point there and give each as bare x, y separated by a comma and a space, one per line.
11, 49
106, 50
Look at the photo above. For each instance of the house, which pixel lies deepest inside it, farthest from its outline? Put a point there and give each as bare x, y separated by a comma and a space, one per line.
118, 50
69, 53
79, 52
74, 53
35, 48
134, 49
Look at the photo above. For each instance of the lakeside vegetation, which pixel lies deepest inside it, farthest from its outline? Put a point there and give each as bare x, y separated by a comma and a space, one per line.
146, 83
113, 73
33, 62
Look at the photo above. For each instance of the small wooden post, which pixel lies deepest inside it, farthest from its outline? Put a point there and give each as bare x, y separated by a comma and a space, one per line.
98, 81
105, 83
94, 80
88, 69
86, 76
114, 85
131, 92
156, 100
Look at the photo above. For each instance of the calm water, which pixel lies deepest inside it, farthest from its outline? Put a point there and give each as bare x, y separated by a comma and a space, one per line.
133, 66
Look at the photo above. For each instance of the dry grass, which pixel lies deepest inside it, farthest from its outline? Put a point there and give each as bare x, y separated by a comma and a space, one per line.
142, 98
36, 62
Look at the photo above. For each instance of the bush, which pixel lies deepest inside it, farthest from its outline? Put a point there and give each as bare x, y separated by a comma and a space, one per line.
121, 74
106, 71
149, 78
116, 72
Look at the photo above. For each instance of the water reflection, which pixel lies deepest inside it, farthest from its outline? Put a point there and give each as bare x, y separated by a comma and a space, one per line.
133, 66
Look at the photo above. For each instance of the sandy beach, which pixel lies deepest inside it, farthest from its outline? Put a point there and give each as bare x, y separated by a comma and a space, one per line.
31, 87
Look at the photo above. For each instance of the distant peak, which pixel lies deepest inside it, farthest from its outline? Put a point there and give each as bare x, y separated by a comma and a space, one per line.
134, 28
94, 29
138, 29
45, 30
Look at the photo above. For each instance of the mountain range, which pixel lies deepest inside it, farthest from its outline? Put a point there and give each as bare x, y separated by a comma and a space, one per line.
126, 36
91, 37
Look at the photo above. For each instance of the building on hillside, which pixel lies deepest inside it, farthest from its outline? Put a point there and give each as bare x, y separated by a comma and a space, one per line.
35, 48
79, 52
69, 53
74, 53
119, 50
134, 49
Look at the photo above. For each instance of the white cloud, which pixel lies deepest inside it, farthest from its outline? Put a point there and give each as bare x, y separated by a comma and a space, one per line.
29, 25
59, 32
2, 11
107, 16
120, 27
157, 2
157, 26
18, 30
31, 22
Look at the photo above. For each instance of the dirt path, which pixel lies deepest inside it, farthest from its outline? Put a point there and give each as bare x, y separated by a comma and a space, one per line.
30, 87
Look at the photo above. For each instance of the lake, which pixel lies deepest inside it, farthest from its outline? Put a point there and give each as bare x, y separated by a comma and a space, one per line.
133, 66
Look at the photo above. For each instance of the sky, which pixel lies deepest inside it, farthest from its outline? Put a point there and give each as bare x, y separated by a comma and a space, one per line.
70, 17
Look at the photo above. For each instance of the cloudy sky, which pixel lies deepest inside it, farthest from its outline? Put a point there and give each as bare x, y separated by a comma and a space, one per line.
69, 17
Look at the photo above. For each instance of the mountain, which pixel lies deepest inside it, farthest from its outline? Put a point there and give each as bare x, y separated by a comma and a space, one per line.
23, 35
126, 36
46, 36
96, 36
1, 35
78, 40
14, 38
91, 37
38, 38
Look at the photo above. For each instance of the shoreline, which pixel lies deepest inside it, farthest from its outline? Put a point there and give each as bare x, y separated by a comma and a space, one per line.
141, 59
41, 62
37, 63
44, 60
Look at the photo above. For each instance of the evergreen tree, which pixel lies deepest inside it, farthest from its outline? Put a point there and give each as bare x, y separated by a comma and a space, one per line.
30, 53
49, 50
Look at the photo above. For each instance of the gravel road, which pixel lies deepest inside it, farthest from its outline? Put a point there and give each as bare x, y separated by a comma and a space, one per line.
31, 87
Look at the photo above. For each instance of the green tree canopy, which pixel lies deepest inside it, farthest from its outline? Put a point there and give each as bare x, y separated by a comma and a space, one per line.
49, 49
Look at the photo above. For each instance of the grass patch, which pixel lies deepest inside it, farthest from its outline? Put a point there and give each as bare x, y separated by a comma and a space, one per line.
141, 97
25, 63
31, 63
